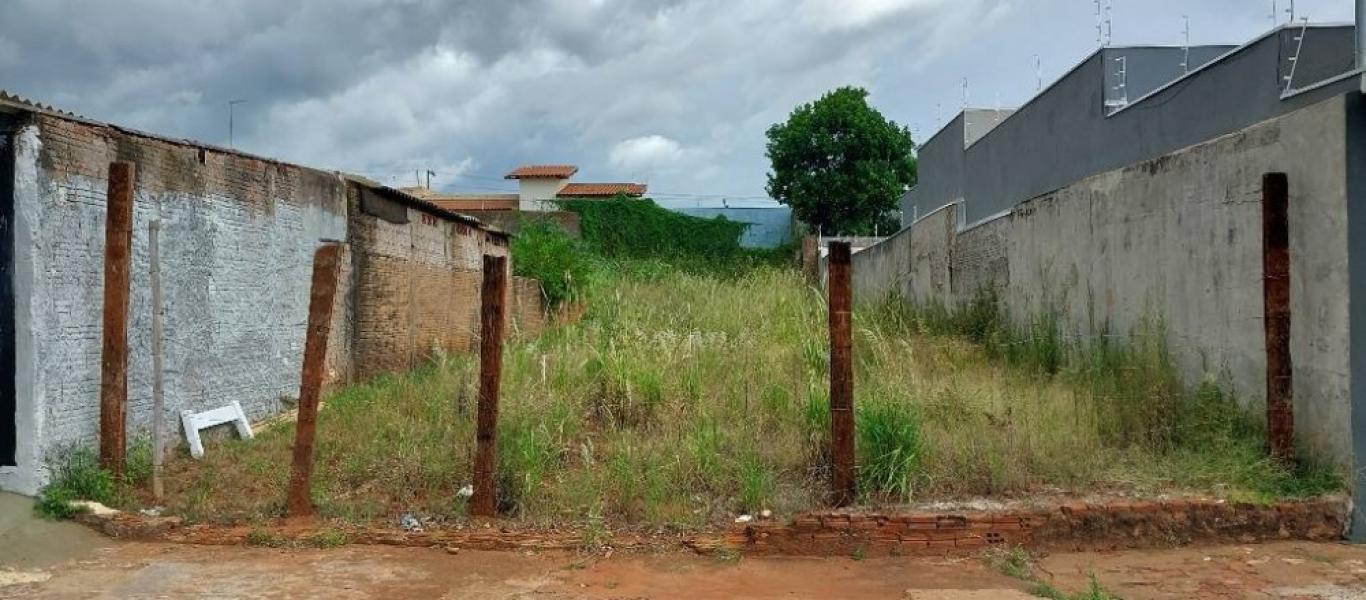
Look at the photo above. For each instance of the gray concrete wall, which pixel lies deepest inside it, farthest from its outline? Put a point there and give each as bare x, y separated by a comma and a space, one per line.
1356, 300
1176, 238
885, 268
1147, 68
1064, 134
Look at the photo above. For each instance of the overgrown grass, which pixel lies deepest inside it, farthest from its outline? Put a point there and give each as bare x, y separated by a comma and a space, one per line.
685, 399
1128, 395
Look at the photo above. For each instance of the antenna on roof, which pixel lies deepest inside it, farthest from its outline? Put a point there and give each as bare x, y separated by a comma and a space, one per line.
965, 93
1275, 14
938, 113
1186, 46
1291, 11
1038, 73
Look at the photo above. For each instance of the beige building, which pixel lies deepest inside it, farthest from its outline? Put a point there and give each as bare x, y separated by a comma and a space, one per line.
538, 185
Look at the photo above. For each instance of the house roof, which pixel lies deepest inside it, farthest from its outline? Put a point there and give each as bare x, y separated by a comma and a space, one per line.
458, 202
579, 190
483, 203
542, 172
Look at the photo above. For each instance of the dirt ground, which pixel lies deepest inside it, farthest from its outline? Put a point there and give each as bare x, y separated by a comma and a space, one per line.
43, 559
145, 570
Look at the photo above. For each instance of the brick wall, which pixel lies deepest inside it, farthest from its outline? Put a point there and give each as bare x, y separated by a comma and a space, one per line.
418, 286
1073, 526
528, 307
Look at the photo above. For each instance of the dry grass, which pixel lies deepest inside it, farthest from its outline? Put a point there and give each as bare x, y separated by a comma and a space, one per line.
684, 399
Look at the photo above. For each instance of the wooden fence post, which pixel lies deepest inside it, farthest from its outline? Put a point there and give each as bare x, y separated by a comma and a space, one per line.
493, 297
325, 266
118, 242
158, 381
1280, 407
843, 480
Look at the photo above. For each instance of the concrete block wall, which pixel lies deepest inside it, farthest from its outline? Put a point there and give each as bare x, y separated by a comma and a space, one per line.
1175, 238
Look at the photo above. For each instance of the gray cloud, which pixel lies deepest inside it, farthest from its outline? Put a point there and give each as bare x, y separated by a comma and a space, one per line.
675, 92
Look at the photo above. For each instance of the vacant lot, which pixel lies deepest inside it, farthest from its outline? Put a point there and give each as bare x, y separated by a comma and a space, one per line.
686, 399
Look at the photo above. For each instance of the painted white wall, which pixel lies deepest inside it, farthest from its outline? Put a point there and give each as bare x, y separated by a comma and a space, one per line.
236, 282
532, 193
29, 472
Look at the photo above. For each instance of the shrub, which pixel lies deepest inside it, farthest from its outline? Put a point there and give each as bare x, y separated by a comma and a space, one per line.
76, 475
563, 264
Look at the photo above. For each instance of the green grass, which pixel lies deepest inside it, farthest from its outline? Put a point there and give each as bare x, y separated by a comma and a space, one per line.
685, 398
76, 475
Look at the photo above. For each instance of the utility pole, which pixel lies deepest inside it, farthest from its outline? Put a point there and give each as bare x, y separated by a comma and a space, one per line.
232, 104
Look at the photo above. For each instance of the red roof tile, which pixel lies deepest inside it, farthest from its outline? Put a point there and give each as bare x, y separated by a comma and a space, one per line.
543, 171
581, 190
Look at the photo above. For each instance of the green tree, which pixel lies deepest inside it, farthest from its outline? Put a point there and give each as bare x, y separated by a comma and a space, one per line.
840, 164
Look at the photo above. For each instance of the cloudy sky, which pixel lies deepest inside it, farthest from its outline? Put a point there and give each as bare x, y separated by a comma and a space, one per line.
676, 93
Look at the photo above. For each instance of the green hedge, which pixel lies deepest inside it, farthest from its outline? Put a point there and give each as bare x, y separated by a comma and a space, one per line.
626, 227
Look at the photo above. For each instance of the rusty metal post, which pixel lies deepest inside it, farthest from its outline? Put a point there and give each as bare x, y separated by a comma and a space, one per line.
1280, 407
118, 258
843, 481
493, 296
326, 262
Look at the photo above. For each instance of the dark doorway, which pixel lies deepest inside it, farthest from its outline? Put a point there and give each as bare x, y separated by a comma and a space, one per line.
8, 403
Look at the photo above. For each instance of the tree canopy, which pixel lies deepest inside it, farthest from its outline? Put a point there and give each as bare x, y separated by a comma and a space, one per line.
840, 164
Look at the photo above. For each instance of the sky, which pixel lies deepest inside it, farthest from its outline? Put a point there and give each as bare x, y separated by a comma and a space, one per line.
673, 93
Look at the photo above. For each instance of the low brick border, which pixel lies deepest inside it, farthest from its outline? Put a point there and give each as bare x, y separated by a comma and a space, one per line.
1068, 526
1075, 526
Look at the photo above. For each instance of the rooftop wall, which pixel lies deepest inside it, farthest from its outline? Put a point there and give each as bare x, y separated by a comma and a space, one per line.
1065, 134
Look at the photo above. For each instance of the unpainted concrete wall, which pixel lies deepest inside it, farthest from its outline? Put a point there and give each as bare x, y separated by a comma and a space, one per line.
1175, 238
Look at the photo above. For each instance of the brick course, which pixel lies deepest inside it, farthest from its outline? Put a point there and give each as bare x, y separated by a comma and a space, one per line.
1074, 526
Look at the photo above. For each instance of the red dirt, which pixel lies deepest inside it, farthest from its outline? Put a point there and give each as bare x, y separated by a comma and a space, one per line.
1297, 570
